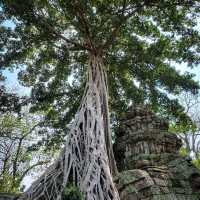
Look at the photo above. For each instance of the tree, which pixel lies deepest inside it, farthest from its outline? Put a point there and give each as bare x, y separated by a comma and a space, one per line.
122, 40
189, 129
18, 156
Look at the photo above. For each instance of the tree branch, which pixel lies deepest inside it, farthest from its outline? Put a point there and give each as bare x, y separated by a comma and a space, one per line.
14, 171
136, 8
122, 19
31, 167
42, 23
82, 19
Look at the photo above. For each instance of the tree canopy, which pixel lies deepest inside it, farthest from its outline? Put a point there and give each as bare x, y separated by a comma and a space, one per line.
138, 40
18, 156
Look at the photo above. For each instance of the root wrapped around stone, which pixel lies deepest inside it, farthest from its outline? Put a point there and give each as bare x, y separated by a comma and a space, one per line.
84, 160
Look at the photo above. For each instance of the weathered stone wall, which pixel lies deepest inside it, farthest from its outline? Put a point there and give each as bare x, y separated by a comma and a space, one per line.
148, 158
153, 185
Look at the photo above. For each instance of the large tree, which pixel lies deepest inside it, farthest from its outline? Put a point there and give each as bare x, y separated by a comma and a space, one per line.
128, 45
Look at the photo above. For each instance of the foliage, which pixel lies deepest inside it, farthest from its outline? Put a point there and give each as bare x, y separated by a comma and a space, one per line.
196, 162
71, 192
9, 101
18, 157
189, 129
184, 152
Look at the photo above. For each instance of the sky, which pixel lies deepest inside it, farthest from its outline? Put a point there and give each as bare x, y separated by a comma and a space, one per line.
13, 85
184, 68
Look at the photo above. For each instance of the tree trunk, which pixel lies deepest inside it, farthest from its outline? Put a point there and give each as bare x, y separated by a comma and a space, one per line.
87, 159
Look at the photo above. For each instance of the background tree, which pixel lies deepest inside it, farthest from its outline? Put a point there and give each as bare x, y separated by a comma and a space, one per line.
189, 130
127, 40
21, 150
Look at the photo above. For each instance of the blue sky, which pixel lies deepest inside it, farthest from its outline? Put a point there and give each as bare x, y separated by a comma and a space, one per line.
12, 83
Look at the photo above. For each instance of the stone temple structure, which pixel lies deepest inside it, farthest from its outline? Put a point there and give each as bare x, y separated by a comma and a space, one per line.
148, 159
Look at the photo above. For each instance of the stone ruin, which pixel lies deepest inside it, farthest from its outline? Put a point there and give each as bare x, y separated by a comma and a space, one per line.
148, 159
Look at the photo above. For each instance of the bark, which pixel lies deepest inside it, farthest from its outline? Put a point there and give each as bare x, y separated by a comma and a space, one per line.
85, 158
